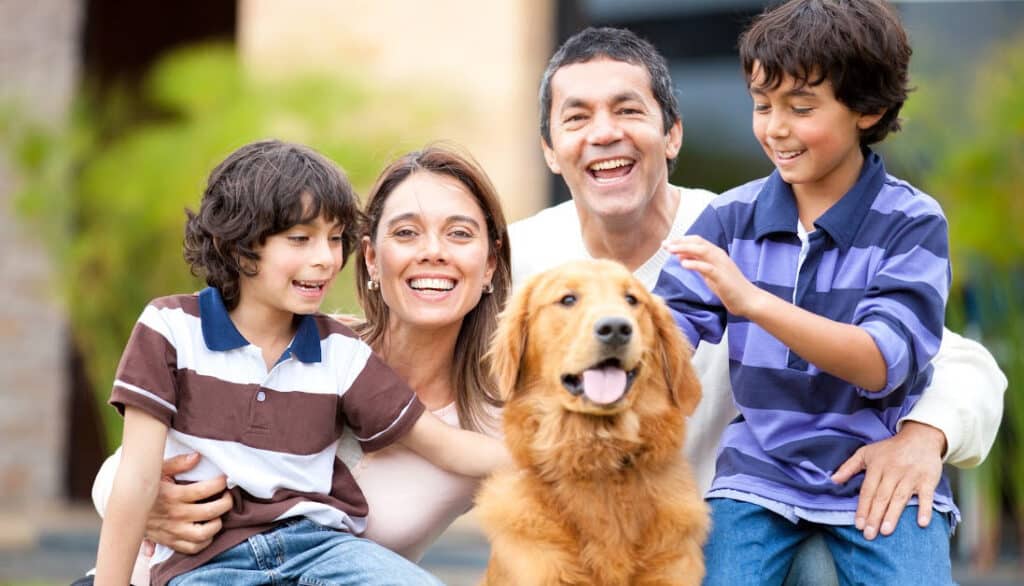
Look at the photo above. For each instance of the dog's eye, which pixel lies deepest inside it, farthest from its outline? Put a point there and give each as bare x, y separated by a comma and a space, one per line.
568, 301
631, 299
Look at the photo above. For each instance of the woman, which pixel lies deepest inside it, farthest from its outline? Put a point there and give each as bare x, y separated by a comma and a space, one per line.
434, 275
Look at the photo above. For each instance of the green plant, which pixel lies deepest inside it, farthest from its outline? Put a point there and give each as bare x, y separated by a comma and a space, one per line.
974, 163
107, 189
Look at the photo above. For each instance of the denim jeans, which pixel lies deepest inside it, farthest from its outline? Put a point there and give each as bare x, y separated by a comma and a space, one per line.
303, 553
751, 545
812, 564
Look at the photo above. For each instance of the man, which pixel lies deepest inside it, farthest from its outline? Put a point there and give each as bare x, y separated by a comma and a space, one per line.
610, 126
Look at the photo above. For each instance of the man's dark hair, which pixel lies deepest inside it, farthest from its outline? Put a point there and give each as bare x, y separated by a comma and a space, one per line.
859, 46
261, 189
620, 45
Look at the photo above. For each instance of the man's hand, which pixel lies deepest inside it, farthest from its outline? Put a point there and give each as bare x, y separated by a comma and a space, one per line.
896, 469
177, 519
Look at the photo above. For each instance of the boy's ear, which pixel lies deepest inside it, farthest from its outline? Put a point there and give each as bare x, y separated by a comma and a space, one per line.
866, 121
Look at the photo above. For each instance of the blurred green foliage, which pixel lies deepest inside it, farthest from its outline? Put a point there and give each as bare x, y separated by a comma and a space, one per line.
974, 164
107, 190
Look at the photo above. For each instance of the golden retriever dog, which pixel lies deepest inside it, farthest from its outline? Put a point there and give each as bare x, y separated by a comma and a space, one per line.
598, 383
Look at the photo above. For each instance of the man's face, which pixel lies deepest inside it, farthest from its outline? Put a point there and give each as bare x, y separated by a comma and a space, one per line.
607, 137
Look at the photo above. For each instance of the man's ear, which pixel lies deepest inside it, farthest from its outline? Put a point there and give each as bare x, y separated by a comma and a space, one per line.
549, 157
675, 140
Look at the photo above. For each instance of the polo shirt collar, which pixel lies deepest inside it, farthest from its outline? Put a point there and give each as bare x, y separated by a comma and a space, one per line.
775, 208
221, 335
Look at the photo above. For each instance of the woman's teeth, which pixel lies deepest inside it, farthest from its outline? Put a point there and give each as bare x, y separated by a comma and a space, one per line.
436, 284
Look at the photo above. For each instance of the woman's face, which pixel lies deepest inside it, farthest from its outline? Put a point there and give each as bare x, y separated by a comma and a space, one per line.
431, 254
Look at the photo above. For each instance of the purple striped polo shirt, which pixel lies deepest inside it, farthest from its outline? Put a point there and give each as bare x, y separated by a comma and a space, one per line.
272, 433
878, 259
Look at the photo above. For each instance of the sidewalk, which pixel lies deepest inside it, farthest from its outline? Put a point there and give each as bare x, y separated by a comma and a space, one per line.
56, 546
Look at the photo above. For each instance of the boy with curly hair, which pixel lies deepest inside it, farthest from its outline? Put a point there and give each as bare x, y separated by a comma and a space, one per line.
832, 277
250, 376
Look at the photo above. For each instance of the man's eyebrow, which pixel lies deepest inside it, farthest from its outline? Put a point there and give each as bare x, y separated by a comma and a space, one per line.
625, 96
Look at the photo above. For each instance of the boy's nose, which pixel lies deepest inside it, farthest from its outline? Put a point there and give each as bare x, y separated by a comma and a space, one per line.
323, 253
777, 125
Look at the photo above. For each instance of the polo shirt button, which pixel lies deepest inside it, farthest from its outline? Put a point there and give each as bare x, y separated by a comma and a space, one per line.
261, 396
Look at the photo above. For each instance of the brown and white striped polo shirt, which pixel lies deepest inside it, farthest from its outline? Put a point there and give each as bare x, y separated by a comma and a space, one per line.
273, 434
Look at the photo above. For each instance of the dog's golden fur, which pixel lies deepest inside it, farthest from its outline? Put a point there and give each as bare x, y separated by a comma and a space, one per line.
601, 494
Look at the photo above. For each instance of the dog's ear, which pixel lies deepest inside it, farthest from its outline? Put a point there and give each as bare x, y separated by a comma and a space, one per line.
675, 357
509, 342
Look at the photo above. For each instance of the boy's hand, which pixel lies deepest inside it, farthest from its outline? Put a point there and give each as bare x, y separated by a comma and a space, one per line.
180, 519
897, 468
720, 273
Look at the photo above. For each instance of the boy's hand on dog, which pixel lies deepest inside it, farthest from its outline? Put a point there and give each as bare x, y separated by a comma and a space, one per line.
896, 469
181, 517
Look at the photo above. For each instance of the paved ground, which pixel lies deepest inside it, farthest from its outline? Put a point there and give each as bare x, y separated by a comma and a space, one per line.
44, 548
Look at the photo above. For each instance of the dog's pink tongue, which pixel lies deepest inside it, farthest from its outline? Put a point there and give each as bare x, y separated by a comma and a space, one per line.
604, 385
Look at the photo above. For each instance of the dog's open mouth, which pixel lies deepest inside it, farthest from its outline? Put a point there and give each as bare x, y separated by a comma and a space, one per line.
604, 383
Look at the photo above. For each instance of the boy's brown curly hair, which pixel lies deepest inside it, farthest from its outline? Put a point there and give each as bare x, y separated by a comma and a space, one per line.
261, 189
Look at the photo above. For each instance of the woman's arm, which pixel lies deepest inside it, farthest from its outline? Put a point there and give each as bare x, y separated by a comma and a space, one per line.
456, 450
134, 491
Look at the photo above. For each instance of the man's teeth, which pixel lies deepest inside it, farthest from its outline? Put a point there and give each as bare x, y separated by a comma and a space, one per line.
439, 284
611, 164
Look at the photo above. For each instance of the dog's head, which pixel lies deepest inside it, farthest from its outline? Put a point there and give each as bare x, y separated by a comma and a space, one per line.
592, 331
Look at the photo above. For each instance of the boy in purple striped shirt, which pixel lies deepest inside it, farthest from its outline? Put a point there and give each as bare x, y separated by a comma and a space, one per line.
832, 277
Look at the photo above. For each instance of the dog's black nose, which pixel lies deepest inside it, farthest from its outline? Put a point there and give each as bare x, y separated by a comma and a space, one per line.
613, 331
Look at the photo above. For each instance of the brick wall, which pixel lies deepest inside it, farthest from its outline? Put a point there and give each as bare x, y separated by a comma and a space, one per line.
39, 45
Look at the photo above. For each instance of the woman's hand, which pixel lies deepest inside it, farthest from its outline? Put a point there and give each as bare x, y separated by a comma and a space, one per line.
179, 519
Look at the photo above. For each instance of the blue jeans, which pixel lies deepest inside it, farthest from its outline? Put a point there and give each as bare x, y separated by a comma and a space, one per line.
812, 564
304, 553
751, 545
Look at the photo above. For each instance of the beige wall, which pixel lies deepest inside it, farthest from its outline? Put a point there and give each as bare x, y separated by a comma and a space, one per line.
482, 60
38, 65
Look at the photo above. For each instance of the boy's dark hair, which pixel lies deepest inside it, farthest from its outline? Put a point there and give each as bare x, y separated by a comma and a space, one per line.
261, 189
620, 45
859, 46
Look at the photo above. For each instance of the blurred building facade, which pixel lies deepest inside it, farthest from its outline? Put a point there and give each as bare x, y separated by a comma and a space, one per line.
39, 65
482, 59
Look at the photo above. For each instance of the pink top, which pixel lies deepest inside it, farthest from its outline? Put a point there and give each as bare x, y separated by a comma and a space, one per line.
411, 501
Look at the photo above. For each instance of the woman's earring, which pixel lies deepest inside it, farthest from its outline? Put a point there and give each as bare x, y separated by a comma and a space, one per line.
372, 285
488, 289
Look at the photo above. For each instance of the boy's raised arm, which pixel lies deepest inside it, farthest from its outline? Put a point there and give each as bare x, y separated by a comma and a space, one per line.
843, 350
134, 491
456, 450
